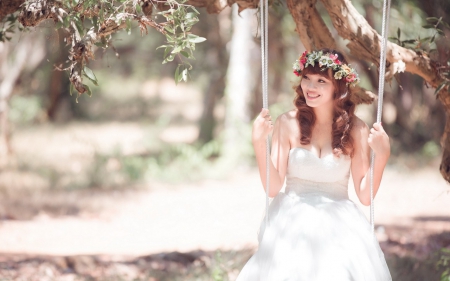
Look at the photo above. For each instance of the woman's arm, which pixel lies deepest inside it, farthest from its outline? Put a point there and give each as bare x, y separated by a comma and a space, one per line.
279, 152
364, 139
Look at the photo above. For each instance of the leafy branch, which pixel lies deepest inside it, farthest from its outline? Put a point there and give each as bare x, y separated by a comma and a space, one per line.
423, 46
90, 23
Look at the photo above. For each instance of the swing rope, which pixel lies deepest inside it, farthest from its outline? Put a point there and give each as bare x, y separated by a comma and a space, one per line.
264, 26
384, 27
263, 14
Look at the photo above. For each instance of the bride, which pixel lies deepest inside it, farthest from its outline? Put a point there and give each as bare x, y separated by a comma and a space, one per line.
314, 231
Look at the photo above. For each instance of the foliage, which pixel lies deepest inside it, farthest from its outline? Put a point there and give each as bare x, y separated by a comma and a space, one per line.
89, 23
444, 262
8, 27
426, 46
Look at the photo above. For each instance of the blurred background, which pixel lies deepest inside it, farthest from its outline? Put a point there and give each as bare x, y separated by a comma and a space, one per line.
149, 180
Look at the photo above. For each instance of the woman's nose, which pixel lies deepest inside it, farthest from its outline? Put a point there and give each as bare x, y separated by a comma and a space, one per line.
311, 84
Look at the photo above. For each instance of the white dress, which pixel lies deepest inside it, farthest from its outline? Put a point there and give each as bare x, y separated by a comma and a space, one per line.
315, 233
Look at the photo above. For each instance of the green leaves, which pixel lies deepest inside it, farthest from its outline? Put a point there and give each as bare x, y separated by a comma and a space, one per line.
7, 26
180, 42
441, 86
90, 75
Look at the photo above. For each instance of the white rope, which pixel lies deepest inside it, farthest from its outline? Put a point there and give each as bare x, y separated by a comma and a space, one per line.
264, 23
384, 27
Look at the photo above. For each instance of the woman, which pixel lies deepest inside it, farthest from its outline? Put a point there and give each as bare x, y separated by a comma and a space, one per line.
315, 232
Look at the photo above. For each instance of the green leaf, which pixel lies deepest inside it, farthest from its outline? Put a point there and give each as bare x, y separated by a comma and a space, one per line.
184, 74
428, 26
162, 46
440, 87
446, 24
177, 74
195, 10
432, 19
191, 15
440, 31
195, 39
170, 38
177, 50
169, 28
89, 92
79, 26
398, 33
90, 74
128, 28
432, 39
185, 54
138, 8
166, 51
71, 89
412, 41
169, 58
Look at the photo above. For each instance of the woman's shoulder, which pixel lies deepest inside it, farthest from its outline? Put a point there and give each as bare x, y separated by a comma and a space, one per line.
287, 118
358, 126
288, 115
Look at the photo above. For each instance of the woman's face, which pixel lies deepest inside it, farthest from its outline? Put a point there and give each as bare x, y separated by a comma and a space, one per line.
317, 89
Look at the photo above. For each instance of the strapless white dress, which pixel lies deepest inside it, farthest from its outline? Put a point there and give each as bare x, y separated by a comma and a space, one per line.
315, 233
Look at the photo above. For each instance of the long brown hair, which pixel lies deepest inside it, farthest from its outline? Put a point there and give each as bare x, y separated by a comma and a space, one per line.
344, 110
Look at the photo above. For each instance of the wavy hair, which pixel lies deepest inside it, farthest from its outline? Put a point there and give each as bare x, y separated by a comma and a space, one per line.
344, 110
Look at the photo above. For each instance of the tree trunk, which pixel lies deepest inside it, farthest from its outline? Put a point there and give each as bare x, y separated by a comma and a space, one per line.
27, 53
239, 85
216, 84
57, 84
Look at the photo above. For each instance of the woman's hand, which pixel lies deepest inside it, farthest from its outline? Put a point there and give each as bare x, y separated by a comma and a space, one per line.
262, 126
379, 141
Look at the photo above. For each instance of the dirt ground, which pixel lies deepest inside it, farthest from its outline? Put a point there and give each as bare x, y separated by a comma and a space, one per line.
411, 207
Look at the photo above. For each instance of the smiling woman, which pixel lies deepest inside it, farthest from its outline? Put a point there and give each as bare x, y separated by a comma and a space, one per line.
320, 91
315, 232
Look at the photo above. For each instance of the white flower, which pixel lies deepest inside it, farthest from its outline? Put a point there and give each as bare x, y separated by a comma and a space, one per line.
399, 66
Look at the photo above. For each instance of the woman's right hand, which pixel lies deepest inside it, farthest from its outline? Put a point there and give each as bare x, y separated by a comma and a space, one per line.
262, 126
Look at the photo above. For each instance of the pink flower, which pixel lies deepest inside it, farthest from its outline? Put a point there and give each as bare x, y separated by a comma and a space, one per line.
335, 59
302, 58
296, 72
350, 78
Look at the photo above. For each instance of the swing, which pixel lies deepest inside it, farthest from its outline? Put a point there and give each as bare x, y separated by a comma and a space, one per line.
263, 4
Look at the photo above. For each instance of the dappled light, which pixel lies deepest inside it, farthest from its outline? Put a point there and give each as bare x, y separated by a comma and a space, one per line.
120, 162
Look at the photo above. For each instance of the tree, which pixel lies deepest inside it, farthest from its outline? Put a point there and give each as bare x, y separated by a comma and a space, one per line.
107, 17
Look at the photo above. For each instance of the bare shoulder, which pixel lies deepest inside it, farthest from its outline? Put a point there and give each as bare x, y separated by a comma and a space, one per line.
359, 127
287, 119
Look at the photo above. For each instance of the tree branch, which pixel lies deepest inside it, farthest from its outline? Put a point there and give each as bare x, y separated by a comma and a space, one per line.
9, 6
314, 34
35, 12
365, 43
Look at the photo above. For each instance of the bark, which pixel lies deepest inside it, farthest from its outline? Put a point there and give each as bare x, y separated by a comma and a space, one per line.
310, 26
9, 7
239, 86
27, 54
216, 84
365, 44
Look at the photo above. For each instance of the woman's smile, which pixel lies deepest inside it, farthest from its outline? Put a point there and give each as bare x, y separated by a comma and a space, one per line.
312, 96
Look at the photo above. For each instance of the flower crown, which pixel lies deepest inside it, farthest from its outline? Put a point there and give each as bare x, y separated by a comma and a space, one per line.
327, 60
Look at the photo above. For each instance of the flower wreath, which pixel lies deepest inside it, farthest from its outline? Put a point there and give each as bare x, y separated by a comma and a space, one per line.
327, 60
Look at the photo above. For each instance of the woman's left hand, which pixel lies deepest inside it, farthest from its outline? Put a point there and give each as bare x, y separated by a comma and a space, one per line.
379, 141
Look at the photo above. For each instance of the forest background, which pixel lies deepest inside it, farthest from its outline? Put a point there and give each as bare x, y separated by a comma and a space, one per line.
156, 180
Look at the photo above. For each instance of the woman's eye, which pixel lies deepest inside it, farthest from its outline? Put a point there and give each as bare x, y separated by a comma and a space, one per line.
305, 77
